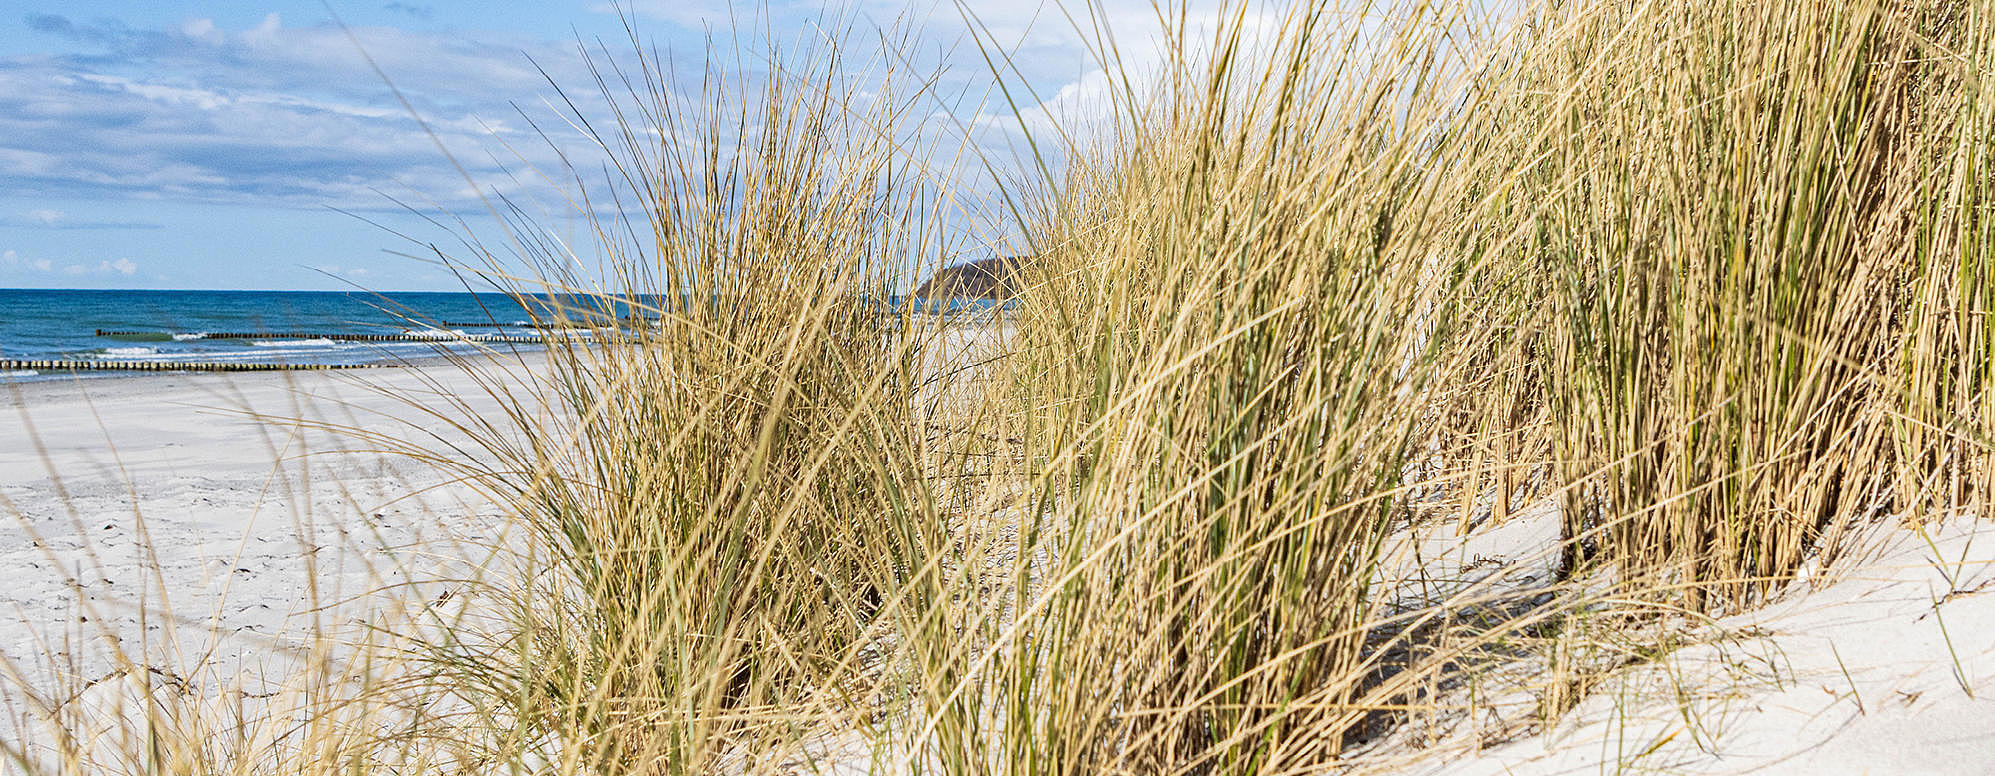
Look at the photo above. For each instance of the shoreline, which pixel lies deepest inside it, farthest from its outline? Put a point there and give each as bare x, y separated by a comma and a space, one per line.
16, 391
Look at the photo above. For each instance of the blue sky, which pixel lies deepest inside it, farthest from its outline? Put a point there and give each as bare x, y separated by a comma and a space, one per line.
249, 144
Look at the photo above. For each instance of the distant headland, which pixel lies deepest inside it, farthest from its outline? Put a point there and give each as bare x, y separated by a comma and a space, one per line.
992, 278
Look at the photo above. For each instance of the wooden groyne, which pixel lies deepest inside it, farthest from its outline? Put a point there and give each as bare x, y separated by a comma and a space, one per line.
555, 325
9, 364
512, 339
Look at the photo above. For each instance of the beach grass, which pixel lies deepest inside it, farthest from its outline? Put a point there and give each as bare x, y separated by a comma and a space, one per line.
1714, 278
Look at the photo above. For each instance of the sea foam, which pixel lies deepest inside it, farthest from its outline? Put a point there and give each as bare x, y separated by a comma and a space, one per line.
436, 334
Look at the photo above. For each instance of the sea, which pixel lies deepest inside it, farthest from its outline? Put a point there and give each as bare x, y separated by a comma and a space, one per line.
297, 328
247, 327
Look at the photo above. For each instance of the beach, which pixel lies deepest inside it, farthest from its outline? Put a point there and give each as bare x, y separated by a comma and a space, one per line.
220, 525
1884, 664
213, 535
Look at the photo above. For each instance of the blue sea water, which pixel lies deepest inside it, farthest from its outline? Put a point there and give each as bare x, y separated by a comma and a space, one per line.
177, 326
174, 325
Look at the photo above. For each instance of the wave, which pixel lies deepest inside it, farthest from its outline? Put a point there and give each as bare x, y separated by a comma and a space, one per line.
20, 373
436, 334
139, 351
303, 343
141, 336
245, 356
156, 336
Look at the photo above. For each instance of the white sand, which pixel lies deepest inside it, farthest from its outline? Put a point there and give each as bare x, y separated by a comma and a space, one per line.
265, 533
1850, 674
261, 531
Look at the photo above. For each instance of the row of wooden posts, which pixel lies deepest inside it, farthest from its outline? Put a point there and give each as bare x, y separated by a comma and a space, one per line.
42, 365
60, 365
515, 339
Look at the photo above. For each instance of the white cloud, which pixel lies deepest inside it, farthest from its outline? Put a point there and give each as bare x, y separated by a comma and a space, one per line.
201, 29
118, 268
13, 260
294, 115
45, 216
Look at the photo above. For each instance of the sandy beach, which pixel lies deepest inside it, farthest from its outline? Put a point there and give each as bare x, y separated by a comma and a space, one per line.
1884, 665
204, 524
205, 532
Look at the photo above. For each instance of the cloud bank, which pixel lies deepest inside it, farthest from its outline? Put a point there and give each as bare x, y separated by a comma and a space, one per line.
299, 116
269, 115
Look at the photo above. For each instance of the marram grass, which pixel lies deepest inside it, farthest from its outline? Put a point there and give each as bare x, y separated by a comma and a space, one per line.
1714, 277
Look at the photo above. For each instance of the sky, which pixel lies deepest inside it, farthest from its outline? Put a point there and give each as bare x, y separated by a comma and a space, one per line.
251, 144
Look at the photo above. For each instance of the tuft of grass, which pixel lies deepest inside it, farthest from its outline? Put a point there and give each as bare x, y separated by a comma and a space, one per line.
1229, 357
731, 504
1743, 245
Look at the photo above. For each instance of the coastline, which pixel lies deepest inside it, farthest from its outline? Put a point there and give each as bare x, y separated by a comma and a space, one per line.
16, 392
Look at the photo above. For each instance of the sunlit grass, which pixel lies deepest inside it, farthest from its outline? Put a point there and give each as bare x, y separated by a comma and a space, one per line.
1713, 277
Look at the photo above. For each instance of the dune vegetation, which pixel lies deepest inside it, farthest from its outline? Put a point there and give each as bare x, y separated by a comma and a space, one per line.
1712, 278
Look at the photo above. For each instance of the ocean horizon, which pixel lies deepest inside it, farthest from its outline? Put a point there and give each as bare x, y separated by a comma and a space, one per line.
179, 326
160, 328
